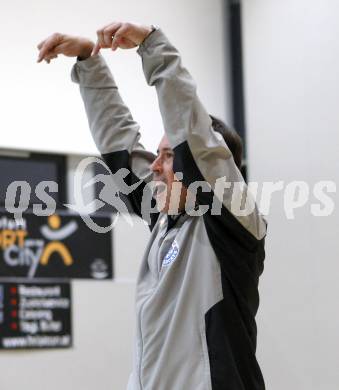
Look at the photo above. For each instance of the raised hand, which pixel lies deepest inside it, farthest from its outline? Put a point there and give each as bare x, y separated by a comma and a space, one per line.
67, 45
122, 35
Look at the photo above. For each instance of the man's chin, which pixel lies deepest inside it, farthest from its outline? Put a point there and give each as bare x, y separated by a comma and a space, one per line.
162, 203
160, 196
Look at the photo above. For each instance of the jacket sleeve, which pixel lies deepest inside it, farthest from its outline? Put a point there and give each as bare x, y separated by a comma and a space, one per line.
200, 153
114, 131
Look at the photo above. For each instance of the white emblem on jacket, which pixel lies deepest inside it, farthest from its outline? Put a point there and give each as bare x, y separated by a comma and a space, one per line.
171, 254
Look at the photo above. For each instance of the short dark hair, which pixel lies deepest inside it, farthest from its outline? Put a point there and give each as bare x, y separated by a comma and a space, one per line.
231, 137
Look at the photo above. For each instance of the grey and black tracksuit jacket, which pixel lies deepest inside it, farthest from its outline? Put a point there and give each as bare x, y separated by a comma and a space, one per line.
197, 291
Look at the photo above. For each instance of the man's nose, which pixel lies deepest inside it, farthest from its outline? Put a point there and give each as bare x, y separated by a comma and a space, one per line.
156, 165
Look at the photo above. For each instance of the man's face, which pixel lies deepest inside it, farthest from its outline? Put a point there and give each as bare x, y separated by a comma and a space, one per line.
170, 195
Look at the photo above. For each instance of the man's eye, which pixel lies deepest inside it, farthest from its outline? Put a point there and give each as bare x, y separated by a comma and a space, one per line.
169, 154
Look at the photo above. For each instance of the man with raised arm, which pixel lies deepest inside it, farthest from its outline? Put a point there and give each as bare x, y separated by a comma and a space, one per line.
197, 290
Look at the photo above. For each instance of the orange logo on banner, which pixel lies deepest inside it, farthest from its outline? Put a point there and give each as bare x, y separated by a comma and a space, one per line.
54, 223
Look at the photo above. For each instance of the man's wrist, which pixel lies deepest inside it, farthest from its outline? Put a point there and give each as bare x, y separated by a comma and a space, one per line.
152, 28
86, 51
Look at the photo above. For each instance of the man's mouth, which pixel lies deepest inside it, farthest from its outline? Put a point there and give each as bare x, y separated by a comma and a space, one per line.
159, 187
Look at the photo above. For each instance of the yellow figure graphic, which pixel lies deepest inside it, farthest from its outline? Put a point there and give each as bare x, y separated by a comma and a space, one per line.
54, 233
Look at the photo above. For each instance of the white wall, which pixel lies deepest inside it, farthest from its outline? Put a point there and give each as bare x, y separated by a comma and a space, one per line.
292, 92
41, 110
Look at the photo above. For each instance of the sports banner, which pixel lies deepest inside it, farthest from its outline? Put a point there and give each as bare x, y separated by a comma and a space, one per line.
58, 246
35, 315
